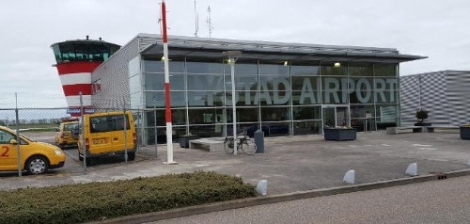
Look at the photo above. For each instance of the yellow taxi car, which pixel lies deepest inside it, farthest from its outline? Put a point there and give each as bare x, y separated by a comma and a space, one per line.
35, 157
66, 134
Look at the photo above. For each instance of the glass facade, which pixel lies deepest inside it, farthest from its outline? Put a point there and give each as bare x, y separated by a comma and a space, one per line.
283, 100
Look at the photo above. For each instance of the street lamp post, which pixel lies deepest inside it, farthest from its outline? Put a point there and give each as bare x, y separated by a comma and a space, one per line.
155, 124
232, 58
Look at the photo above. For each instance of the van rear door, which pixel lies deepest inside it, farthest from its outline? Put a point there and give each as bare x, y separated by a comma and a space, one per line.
100, 140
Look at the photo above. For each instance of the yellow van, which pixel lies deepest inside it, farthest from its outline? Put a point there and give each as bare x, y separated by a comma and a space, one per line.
104, 134
66, 134
36, 157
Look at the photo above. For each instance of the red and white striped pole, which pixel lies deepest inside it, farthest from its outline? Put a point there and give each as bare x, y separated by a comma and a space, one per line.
169, 128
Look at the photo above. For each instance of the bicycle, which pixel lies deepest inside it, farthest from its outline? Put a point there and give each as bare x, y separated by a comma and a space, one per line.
244, 142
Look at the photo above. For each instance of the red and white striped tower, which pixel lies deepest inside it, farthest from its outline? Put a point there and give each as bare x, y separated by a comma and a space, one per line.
76, 60
76, 77
169, 128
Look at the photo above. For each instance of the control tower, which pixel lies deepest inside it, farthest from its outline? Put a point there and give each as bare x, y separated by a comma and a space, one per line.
76, 60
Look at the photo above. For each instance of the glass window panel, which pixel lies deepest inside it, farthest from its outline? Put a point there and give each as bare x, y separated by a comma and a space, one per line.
275, 114
385, 69
205, 130
176, 66
299, 70
177, 81
153, 66
252, 98
336, 89
307, 113
277, 70
385, 97
178, 117
280, 97
57, 54
82, 50
360, 69
274, 82
68, 51
307, 127
206, 116
243, 82
359, 111
154, 81
242, 69
330, 69
386, 113
205, 81
205, 68
158, 99
361, 90
306, 98
244, 114
276, 128
386, 116
205, 98
304, 83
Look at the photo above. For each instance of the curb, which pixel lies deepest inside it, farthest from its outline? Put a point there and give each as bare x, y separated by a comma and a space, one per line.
261, 200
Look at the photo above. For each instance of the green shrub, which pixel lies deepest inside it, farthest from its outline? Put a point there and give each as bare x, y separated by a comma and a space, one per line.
97, 201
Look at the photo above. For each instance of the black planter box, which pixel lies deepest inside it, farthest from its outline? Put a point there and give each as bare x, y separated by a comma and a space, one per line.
465, 132
184, 140
339, 134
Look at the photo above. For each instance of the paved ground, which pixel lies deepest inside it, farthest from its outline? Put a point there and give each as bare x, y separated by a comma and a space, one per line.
289, 164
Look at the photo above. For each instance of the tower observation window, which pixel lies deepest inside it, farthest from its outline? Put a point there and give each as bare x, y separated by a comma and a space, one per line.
83, 51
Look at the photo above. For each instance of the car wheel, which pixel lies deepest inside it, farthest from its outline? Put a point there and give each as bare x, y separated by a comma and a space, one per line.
37, 165
88, 161
131, 156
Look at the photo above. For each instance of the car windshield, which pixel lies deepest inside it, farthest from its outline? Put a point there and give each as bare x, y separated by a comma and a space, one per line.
70, 127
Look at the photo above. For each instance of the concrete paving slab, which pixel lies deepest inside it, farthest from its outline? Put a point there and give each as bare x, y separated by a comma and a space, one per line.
290, 163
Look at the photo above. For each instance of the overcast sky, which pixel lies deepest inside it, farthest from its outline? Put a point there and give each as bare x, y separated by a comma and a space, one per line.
434, 28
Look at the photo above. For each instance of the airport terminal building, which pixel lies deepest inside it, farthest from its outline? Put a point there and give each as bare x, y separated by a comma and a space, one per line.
285, 88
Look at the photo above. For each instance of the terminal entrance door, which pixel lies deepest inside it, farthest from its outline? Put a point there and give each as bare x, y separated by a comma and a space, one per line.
335, 115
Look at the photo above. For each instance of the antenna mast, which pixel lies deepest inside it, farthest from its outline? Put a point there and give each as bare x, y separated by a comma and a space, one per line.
196, 17
209, 21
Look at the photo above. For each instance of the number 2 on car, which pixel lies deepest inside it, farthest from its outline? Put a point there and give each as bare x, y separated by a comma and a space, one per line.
4, 151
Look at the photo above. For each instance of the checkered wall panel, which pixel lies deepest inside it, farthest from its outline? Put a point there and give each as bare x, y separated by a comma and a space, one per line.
445, 94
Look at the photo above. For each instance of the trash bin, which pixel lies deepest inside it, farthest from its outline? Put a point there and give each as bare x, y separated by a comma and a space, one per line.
184, 140
259, 141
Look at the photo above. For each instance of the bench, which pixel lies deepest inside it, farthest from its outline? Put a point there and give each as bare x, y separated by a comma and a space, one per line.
431, 128
208, 144
405, 129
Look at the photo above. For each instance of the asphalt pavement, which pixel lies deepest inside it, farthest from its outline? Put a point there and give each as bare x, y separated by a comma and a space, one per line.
289, 163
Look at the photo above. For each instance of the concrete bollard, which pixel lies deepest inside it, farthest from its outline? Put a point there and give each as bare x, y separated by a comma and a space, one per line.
412, 170
349, 177
262, 187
